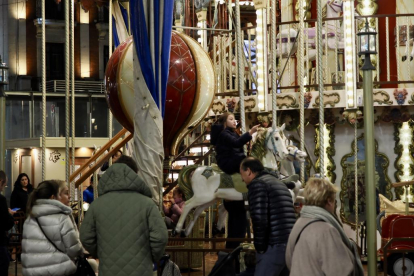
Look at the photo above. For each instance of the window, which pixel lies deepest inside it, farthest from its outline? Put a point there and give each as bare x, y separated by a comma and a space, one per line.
54, 9
55, 61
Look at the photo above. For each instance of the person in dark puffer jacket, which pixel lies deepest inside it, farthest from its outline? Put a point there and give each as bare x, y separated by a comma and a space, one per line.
228, 144
273, 216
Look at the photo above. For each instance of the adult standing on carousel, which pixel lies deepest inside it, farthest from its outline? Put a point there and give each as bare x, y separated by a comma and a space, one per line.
273, 216
21, 192
319, 228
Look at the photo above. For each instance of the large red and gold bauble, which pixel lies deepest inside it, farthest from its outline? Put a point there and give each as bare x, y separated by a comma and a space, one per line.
190, 88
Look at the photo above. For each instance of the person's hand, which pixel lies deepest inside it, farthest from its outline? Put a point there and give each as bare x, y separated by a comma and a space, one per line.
11, 212
172, 201
254, 129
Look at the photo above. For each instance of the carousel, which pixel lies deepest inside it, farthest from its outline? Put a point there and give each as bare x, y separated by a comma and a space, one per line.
329, 81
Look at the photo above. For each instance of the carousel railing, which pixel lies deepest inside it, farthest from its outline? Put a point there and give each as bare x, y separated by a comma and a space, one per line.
392, 61
215, 248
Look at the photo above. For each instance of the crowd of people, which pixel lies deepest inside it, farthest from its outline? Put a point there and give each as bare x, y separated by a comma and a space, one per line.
125, 230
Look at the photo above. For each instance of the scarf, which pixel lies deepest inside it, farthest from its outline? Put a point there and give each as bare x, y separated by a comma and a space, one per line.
315, 212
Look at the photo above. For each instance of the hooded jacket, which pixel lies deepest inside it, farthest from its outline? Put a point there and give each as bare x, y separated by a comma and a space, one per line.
39, 256
123, 227
19, 196
271, 210
6, 219
229, 148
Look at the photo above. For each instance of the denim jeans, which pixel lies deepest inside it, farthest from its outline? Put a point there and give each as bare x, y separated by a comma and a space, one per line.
272, 262
4, 261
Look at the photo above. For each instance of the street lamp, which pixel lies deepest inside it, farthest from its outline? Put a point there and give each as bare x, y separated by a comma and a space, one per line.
367, 44
4, 80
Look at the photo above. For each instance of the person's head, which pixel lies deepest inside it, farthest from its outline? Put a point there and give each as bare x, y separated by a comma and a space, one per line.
129, 162
49, 189
116, 156
178, 194
91, 181
22, 180
320, 192
250, 258
227, 120
3, 180
249, 168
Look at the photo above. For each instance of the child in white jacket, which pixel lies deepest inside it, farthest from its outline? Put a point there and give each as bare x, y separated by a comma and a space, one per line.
50, 221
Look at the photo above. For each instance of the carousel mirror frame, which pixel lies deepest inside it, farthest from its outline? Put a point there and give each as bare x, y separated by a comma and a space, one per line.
344, 186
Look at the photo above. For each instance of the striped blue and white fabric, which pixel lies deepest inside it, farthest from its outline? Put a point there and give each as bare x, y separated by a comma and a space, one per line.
151, 27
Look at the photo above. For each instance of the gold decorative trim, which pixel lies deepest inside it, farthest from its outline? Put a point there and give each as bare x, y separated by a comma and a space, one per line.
382, 97
308, 161
328, 99
284, 102
330, 152
412, 99
367, 9
249, 105
398, 149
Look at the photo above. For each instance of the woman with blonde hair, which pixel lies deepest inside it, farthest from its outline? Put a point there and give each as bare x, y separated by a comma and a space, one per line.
50, 237
318, 244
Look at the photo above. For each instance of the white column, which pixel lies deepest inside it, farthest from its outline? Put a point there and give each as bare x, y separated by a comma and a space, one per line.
84, 44
17, 39
4, 32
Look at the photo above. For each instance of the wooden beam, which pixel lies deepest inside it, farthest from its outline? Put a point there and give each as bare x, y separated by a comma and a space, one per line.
98, 154
99, 163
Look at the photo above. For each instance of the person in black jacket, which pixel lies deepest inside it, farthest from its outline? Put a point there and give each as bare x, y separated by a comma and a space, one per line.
21, 192
273, 216
228, 144
6, 223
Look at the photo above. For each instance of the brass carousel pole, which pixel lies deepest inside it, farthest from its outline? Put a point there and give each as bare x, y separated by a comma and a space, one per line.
367, 47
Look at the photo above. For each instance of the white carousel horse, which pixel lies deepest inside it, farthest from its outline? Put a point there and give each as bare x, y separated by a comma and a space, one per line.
286, 169
333, 9
201, 185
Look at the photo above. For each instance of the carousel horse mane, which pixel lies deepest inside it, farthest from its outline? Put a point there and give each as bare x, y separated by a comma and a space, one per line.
259, 147
184, 181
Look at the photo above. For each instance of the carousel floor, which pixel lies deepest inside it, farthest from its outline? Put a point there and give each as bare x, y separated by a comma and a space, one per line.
210, 260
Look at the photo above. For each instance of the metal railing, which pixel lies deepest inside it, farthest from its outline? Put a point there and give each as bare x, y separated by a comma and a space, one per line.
80, 86
174, 251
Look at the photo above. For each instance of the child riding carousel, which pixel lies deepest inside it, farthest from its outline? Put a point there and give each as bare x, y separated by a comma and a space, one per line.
229, 144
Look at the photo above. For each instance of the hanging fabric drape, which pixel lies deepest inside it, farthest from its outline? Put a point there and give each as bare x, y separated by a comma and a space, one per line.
151, 24
119, 23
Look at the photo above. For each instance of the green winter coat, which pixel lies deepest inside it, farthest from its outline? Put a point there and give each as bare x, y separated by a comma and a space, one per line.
123, 228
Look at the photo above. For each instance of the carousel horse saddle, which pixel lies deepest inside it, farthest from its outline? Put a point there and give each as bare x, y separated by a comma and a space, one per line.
230, 181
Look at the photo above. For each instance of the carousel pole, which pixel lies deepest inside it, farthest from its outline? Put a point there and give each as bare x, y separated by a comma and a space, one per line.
274, 56
110, 54
367, 44
240, 66
67, 82
320, 88
72, 72
43, 92
302, 86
